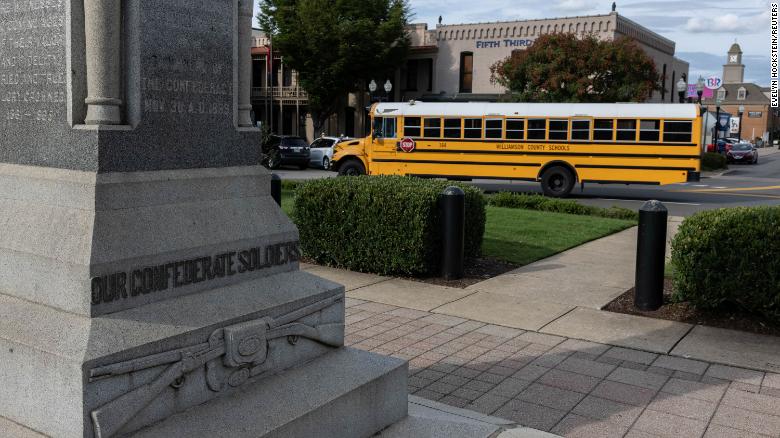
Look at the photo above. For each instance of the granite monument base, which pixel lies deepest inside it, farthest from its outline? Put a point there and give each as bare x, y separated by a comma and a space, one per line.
130, 299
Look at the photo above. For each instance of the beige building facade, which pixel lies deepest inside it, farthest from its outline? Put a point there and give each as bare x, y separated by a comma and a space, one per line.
452, 61
449, 63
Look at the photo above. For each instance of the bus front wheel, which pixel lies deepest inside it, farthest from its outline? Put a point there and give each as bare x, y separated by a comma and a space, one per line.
557, 182
352, 168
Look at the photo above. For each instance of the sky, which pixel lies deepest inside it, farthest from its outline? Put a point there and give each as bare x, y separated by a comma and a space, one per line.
703, 30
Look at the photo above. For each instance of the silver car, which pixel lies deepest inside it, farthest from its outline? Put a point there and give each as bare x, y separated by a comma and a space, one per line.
322, 151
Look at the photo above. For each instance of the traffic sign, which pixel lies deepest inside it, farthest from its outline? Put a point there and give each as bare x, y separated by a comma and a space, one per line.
407, 144
713, 82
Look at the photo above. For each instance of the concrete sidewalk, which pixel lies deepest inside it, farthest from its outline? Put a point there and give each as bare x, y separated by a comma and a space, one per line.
565, 386
562, 296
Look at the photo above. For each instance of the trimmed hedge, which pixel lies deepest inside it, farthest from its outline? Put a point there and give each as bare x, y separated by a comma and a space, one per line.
381, 224
729, 257
542, 203
713, 161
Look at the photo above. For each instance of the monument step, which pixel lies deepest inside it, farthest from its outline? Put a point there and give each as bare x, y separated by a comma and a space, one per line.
347, 393
59, 368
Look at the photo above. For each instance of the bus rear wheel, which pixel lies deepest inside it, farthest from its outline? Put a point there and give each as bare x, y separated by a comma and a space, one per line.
352, 168
557, 182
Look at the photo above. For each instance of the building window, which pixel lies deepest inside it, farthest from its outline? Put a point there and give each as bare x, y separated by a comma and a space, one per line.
741, 93
722, 94
663, 83
466, 71
430, 74
411, 75
258, 71
674, 84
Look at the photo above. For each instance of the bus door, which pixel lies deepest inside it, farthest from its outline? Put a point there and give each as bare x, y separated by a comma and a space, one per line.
385, 138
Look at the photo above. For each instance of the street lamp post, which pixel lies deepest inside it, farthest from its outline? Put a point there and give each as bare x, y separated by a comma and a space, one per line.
372, 90
388, 89
717, 123
741, 111
682, 87
700, 88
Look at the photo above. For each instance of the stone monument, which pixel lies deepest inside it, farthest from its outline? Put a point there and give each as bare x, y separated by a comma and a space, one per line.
149, 285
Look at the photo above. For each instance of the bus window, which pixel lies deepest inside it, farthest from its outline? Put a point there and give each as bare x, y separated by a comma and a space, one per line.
514, 129
537, 129
411, 126
602, 129
384, 127
626, 130
432, 128
649, 130
472, 128
559, 129
451, 128
580, 129
677, 131
493, 128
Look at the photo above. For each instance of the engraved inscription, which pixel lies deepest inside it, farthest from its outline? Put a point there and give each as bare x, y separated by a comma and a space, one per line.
32, 66
182, 82
173, 275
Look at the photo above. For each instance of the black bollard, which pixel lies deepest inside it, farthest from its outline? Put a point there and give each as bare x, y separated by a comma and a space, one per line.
276, 188
650, 256
453, 208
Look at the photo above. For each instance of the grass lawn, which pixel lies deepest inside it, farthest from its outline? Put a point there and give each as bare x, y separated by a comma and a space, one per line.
524, 236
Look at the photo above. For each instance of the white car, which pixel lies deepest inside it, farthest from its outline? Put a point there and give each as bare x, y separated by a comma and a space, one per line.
322, 151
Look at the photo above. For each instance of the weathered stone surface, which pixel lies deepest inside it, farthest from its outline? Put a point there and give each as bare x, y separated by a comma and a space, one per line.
347, 394
49, 355
66, 228
178, 96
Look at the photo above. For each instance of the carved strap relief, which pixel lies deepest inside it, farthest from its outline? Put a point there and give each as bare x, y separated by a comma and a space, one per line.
232, 356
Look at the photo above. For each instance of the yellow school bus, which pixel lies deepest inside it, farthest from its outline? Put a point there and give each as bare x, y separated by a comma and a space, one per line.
554, 144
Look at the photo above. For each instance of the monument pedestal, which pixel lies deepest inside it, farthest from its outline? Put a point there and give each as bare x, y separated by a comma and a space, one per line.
144, 295
148, 281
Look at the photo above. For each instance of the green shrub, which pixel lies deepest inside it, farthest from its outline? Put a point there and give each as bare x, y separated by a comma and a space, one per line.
713, 161
729, 258
381, 224
542, 203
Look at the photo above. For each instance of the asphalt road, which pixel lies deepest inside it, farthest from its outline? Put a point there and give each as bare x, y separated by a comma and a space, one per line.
741, 185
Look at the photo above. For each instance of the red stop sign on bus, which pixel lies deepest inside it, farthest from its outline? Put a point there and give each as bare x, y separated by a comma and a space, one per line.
407, 144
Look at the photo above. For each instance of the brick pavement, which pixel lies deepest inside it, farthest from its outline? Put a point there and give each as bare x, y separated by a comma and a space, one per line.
566, 386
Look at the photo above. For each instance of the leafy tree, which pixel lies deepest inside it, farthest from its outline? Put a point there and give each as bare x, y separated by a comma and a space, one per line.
564, 68
336, 45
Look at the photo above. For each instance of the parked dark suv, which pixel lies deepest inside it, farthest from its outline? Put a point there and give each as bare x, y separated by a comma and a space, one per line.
286, 150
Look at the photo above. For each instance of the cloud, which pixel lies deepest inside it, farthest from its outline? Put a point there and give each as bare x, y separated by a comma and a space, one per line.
728, 23
574, 5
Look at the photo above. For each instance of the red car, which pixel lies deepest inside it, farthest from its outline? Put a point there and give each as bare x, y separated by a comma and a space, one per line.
742, 153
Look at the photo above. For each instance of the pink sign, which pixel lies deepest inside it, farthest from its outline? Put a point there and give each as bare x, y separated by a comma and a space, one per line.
692, 92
